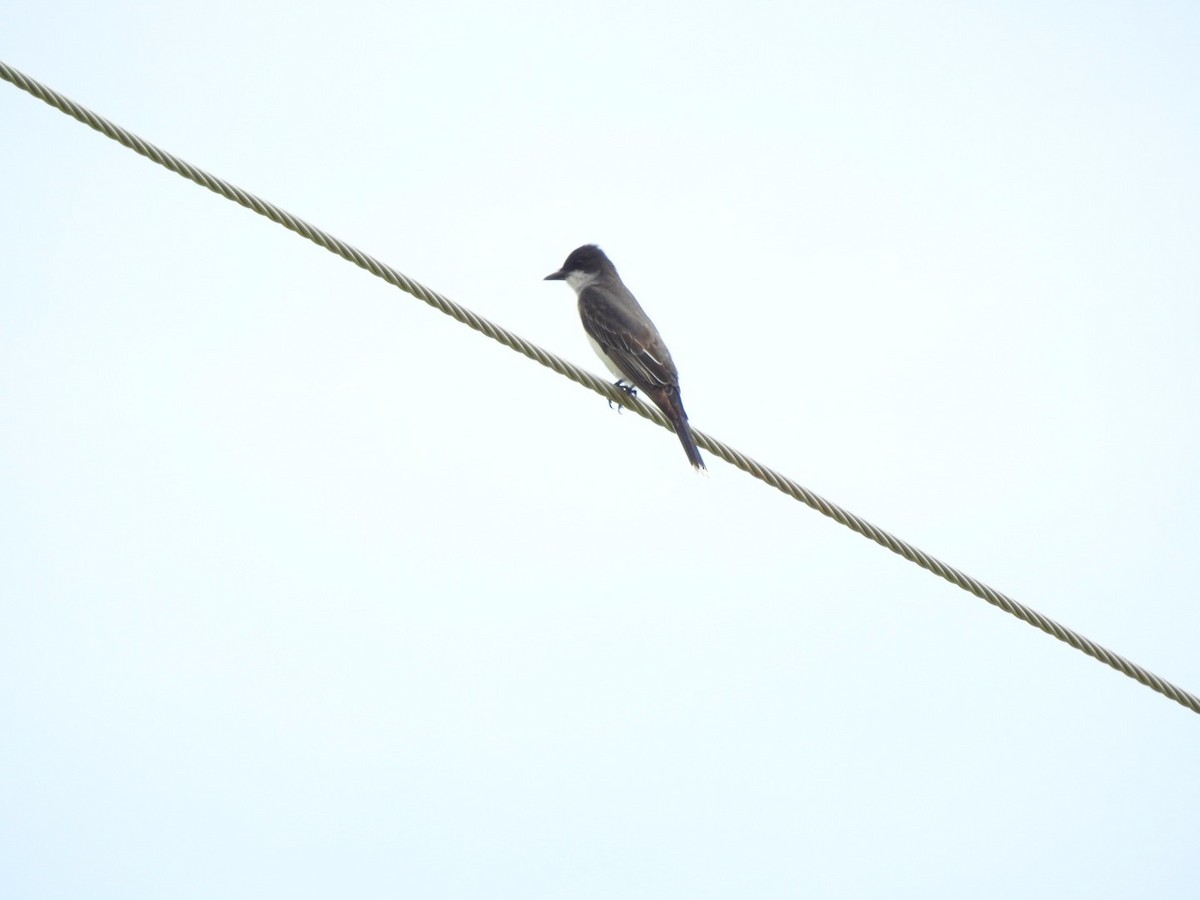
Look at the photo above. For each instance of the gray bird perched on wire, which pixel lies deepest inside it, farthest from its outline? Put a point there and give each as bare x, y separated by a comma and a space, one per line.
625, 339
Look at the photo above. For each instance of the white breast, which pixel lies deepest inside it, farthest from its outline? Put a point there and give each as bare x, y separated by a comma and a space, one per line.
612, 367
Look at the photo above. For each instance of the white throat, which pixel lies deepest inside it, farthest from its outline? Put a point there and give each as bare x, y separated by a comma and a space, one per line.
579, 280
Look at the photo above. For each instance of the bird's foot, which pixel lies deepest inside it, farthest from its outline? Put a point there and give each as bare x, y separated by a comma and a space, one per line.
630, 389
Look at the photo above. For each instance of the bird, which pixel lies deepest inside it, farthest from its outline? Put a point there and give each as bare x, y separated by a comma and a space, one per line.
625, 339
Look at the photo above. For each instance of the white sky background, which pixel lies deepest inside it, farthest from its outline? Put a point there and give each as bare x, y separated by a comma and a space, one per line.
309, 591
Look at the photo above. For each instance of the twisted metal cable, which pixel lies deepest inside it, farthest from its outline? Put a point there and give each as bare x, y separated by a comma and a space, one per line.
604, 388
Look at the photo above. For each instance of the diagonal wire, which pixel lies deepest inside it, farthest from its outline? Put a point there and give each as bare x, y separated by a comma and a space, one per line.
562, 367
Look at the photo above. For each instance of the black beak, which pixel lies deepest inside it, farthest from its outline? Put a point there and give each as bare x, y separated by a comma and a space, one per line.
556, 276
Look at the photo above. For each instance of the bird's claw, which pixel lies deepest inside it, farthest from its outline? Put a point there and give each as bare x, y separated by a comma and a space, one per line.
630, 389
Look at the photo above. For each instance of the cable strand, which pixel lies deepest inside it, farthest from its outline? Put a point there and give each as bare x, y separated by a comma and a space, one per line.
605, 389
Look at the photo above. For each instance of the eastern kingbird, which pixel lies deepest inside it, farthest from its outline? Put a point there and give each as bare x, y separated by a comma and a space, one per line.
625, 339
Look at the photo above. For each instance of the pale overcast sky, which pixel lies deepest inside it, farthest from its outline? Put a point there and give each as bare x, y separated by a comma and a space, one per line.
309, 591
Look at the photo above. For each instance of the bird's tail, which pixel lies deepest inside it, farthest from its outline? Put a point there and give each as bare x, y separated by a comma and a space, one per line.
672, 406
689, 445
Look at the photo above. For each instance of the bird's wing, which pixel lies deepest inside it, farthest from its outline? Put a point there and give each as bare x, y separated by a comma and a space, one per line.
625, 333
